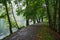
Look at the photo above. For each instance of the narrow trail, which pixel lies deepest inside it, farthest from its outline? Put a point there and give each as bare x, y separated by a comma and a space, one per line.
32, 32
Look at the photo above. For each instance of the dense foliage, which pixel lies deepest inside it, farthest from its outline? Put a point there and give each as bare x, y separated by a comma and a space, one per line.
38, 11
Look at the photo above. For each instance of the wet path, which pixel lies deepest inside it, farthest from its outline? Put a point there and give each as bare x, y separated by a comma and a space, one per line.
33, 32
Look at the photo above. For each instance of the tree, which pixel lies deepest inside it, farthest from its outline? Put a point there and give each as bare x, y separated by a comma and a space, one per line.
14, 16
55, 14
5, 4
48, 13
27, 18
59, 16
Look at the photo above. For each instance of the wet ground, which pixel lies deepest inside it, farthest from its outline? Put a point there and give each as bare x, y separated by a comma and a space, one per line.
32, 32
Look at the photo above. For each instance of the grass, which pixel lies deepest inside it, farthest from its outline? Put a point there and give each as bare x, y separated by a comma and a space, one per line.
44, 35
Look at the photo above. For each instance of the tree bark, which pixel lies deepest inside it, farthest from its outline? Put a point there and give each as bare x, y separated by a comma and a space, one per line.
34, 21
27, 21
14, 17
48, 13
42, 18
39, 19
55, 14
59, 16
10, 27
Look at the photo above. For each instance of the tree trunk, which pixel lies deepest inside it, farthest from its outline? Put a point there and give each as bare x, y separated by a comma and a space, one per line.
14, 17
54, 15
39, 19
42, 18
8, 18
48, 13
59, 16
27, 21
34, 22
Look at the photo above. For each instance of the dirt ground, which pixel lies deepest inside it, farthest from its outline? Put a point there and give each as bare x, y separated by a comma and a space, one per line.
32, 32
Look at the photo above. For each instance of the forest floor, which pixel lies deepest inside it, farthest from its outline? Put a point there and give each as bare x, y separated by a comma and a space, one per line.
32, 32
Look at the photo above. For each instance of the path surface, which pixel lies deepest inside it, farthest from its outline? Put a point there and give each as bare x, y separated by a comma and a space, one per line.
33, 32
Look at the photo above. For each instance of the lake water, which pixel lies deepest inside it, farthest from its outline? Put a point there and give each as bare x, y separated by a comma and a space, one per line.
4, 31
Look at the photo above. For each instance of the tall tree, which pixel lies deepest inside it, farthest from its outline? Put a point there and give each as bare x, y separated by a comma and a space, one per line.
48, 13
59, 16
5, 3
27, 18
55, 13
14, 16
